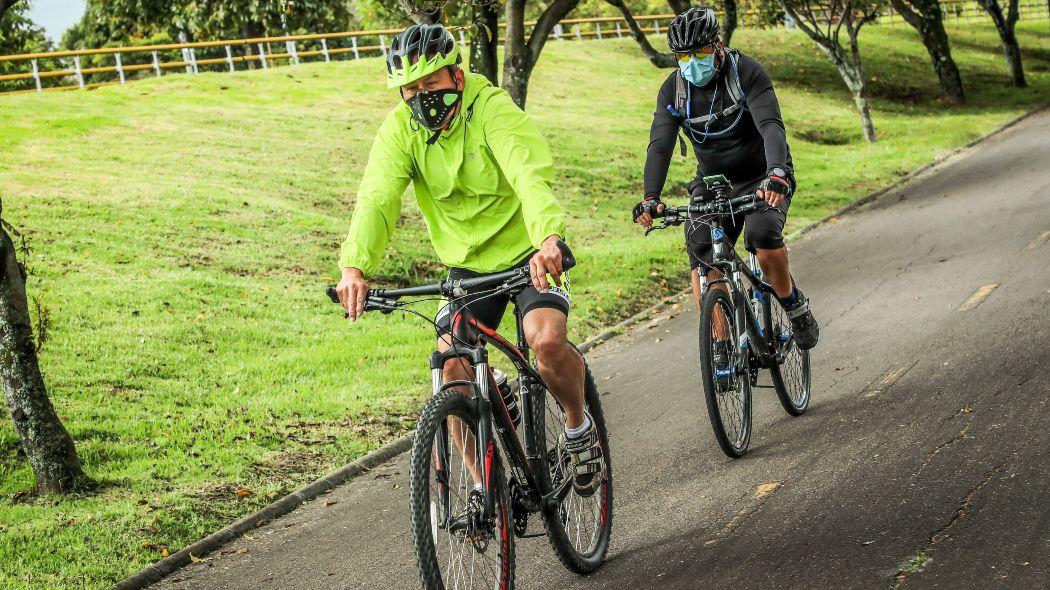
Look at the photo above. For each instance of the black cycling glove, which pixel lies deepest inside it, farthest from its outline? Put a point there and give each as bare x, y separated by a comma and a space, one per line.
647, 205
776, 184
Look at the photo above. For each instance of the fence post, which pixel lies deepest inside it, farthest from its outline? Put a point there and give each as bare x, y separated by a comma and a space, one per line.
656, 27
156, 64
353, 43
324, 50
120, 68
262, 56
558, 32
76, 68
36, 77
293, 54
598, 30
619, 31
382, 44
229, 58
576, 29
462, 39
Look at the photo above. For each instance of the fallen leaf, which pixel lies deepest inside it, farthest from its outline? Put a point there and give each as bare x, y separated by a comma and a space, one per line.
967, 409
194, 559
241, 492
867, 542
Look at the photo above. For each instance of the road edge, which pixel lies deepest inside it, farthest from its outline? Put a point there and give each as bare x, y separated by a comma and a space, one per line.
158, 570
914, 173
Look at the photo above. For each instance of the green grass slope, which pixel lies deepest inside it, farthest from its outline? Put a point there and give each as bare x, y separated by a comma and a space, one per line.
182, 229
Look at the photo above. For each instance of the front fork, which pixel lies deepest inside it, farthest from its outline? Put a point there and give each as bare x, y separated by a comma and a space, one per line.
484, 450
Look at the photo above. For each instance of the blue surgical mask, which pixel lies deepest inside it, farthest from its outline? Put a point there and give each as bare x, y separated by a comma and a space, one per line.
699, 71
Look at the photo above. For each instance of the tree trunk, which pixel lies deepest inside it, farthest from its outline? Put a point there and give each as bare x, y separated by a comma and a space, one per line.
858, 84
484, 43
520, 56
516, 66
660, 60
45, 441
928, 19
679, 6
729, 10
1005, 26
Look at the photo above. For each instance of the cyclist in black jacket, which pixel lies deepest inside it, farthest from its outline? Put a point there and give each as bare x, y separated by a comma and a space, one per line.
723, 102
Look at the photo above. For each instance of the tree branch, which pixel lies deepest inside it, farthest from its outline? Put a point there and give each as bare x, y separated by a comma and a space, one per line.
906, 12
545, 24
660, 60
5, 5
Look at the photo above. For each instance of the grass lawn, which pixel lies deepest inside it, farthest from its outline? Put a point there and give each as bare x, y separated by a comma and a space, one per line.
182, 229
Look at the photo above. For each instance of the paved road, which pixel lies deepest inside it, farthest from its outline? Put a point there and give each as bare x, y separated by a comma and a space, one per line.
921, 463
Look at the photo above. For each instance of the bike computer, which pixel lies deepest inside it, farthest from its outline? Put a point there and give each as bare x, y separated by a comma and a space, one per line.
716, 181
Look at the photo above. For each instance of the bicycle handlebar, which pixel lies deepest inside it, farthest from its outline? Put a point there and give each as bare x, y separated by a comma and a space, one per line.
736, 206
385, 299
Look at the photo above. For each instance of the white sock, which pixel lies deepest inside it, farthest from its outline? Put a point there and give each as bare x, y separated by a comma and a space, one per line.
579, 430
478, 487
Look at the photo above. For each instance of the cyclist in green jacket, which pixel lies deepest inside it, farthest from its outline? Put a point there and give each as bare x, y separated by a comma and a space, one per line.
482, 174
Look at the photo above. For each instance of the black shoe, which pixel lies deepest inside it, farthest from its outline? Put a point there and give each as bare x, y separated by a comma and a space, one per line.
804, 326
723, 356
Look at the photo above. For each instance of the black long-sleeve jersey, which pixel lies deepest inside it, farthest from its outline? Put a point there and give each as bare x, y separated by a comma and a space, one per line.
746, 154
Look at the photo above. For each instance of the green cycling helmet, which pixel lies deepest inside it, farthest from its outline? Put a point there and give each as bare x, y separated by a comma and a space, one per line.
433, 44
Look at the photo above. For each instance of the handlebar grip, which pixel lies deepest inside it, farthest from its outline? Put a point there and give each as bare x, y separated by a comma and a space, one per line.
567, 259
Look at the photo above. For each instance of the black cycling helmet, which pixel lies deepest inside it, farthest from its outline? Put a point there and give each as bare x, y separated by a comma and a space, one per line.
433, 44
692, 29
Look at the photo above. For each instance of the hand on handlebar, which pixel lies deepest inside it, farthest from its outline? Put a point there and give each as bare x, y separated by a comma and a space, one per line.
643, 211
353, 292
548, 260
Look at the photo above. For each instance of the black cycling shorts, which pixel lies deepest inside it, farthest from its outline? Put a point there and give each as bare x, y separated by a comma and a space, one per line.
763, 229
489, 310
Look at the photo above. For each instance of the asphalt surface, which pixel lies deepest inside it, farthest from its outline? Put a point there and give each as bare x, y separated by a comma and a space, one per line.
920, 464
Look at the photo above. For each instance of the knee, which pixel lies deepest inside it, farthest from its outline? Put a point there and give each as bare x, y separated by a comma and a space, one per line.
548, 345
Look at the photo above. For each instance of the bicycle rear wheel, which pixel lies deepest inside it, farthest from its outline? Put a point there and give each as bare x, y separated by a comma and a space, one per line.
791, 379
578, 528
726, 388
456, 546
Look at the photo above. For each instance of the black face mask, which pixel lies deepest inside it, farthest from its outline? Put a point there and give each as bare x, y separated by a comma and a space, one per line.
431, 108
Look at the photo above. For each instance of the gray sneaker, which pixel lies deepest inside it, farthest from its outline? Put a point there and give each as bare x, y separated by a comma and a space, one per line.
587, 464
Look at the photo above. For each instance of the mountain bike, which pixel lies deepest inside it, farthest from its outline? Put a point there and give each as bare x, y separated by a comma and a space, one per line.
743, 326
486, 457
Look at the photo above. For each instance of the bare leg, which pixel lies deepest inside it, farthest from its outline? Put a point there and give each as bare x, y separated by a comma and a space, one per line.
560, 365
720, 326
774, 265
458, 370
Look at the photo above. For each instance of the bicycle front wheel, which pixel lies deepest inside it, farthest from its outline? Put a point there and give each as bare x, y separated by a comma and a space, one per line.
791, 379
458, 545
579, 528
724, 375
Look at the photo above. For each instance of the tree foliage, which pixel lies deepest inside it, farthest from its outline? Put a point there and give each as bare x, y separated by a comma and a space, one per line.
129, 22
19, 34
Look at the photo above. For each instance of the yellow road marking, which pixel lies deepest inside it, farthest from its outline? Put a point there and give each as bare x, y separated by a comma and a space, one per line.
762, 493
977, 298
887, 379
1038, 241
766, 489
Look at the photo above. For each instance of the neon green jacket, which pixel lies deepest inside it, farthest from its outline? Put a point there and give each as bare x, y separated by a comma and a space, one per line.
483, 187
